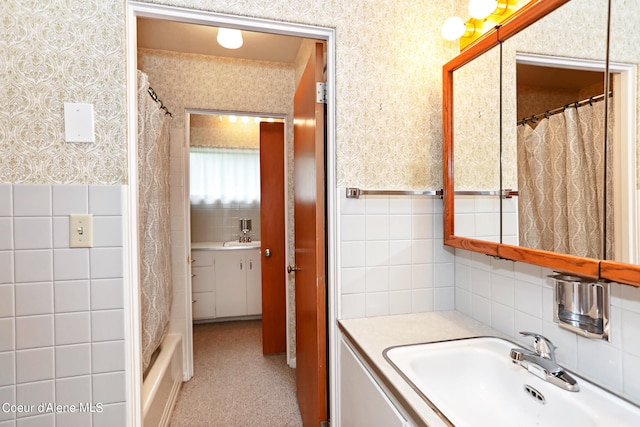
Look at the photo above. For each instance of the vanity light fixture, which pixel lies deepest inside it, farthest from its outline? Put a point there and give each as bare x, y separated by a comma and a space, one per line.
229, 38
485, 14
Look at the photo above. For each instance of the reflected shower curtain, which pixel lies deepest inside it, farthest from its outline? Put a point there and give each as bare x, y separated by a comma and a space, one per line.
153, 220
561, 183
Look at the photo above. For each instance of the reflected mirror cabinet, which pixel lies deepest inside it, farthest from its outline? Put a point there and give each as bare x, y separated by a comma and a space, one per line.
540, 152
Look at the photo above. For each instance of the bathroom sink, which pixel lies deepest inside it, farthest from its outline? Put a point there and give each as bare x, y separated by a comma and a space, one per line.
236, 244
472, 382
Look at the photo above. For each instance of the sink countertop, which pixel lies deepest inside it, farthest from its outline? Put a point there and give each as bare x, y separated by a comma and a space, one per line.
215, 246
371, 336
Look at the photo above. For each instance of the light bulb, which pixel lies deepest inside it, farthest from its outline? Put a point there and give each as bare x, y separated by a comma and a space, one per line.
480, 9
453, 28
231, 39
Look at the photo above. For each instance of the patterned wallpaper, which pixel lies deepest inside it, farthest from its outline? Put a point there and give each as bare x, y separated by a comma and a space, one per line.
389, 58
209, 130
56, 51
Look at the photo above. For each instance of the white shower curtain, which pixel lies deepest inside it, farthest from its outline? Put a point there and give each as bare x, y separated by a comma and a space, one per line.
153, 220
561, 183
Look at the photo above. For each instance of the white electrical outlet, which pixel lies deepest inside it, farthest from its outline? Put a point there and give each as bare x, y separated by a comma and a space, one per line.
81, 230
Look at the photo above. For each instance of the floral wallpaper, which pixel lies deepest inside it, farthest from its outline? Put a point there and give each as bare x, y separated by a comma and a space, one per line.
56, 51
389, 58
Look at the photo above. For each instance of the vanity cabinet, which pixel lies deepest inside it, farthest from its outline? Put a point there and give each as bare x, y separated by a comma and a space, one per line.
238, 283
203, 284
363, 402
226, 283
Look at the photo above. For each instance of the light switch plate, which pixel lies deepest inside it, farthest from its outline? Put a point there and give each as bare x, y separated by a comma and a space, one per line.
78, 123
81, 231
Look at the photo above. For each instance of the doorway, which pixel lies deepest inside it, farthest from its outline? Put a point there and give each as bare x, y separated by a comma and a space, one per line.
136, 10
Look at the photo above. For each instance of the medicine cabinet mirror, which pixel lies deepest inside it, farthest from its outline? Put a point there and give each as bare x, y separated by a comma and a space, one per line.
502, 96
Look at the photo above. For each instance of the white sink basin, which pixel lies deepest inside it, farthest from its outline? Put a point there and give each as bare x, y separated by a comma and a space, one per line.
472, 382
237, 244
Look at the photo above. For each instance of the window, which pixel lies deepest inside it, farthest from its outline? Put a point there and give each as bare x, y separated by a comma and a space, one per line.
224, 175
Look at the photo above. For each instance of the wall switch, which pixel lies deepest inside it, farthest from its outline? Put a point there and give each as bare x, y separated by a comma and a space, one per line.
78, 123
81, 230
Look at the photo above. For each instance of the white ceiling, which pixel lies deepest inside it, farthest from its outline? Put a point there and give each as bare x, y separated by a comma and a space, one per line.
201, 39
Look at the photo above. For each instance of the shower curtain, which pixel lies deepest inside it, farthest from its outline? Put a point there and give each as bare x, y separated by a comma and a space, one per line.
561, 183
153, 219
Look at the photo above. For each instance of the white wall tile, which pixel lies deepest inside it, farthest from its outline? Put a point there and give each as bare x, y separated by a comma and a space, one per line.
105, 200
112, 415
443, 275
631, 332
6, 267
45, 420
6, 200
377, 253
352, 227
6, 233
74, 419
107, 325
72, 391
352, 254
399, 277
463, 301
32, 200
481, 309
70, 199
353, 306
377, 279
400, 252
422, 226
34, 331
109, 388
421, 300
600, 362
106, 263
7, 332
444, 298
481, 283
528, 298
33, 266
422, 205
502, 318
33, 298
377, 227
108, 356
71, 296
353, 280
107, 294
502, 290
6, 301
73, 360
35, 365
7, 369
61, 232
7, 394
526, 322
400, 302
631, 379
421, 276
33, 233
422, 251
107, 231
71, 264
73, 328
35, 393
376, 205
399, 227
377, 304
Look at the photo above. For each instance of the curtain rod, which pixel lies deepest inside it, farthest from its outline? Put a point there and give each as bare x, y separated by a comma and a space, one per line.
558, 110
154, 96
355, 193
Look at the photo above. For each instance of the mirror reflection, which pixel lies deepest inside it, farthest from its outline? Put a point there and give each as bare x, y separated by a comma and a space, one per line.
476, 98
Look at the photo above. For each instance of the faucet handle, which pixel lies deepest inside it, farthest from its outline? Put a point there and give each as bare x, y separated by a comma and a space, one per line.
542, 345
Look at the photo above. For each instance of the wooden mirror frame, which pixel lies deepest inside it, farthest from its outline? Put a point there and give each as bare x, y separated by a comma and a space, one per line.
587, 267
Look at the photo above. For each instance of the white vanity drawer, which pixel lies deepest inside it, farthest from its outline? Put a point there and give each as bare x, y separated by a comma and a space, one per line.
201, 258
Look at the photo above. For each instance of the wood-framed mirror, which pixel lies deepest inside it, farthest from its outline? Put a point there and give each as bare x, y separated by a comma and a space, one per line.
457, 232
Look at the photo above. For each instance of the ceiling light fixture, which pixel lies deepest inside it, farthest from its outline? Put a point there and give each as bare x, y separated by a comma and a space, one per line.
229, 38
480, 9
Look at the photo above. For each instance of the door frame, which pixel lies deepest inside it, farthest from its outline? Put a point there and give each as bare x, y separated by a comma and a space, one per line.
135, 9
188, 339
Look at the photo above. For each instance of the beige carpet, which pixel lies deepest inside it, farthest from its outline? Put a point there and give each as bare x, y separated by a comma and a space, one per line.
233, 383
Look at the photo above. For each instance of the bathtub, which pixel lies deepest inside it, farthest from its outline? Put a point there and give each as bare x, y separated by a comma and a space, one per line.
162, 384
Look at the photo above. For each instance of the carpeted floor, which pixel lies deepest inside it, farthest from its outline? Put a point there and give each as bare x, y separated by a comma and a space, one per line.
233, 383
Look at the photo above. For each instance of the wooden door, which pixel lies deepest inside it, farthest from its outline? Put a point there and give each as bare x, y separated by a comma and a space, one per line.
272, 237
309, 195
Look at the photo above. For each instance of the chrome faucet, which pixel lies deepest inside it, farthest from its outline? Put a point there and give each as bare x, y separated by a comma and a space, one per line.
542, 362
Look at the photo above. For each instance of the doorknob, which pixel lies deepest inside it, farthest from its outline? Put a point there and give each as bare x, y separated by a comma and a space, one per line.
267, 253
292, 268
